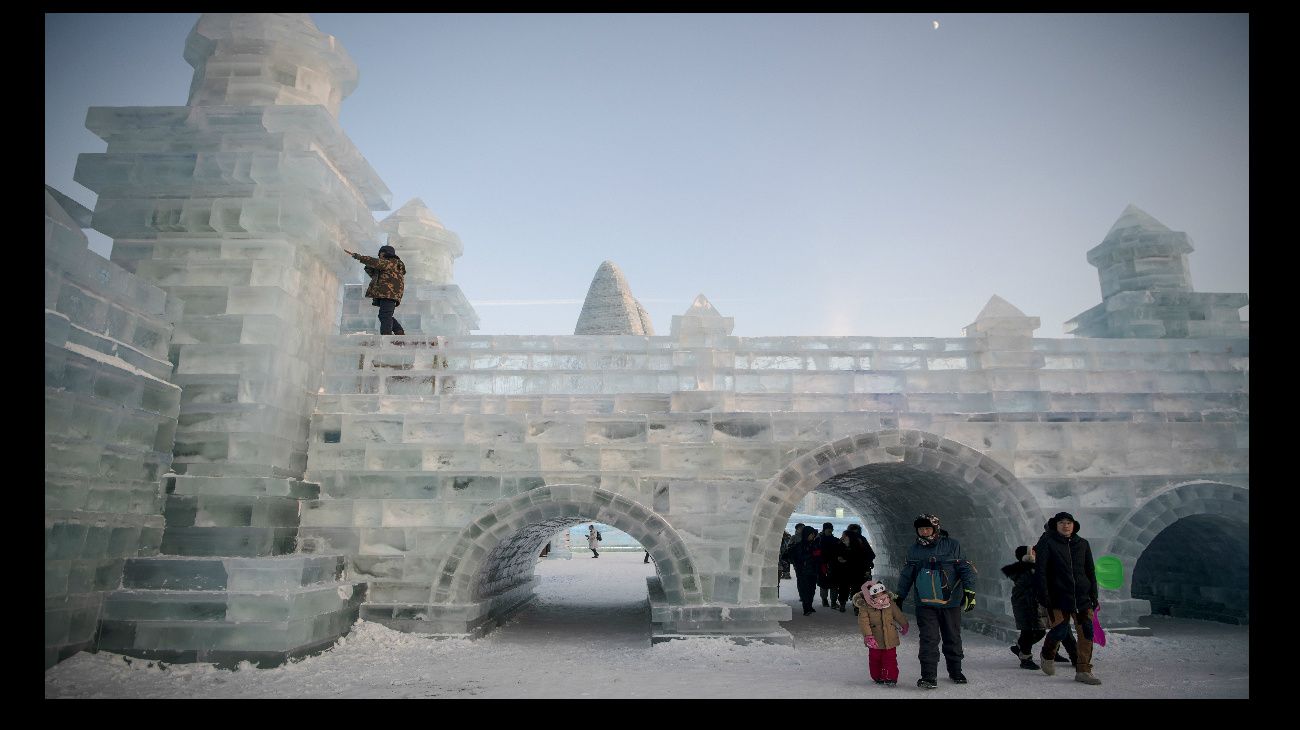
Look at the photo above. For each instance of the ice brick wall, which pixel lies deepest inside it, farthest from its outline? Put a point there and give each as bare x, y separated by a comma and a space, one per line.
110, 419
417, 437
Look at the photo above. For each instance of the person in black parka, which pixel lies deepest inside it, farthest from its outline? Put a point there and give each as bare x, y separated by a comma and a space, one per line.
828, 579
1065, 581
806, 559
1031, 618
854, 564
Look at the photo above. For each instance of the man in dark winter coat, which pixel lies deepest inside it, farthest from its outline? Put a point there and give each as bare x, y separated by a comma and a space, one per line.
1066, 584
831, 550
945, 587
1031, 618
387, 282
806, 559
852, 569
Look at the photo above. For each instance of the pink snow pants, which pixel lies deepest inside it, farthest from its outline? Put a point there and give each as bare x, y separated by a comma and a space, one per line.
884, 663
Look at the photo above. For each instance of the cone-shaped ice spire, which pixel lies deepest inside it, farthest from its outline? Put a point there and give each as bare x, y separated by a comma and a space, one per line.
264, 59
610, 308
701, 318
425, 245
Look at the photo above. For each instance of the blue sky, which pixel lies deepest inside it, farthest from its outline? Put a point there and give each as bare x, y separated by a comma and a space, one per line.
810, 174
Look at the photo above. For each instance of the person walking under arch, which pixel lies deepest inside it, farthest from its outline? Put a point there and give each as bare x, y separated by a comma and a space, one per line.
387, 282
828, 578
852, 566
593, 540
1031, 618
944, 583
806, 559
1066, 583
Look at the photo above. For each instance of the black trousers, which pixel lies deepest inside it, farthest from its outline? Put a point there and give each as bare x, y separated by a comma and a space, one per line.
807, 583
388, 324
934, 623
1029, 637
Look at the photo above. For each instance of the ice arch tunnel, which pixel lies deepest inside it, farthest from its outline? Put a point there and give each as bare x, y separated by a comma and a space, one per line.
1187, 552
489, 572
889, 477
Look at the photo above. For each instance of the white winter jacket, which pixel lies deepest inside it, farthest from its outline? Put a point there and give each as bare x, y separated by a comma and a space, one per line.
592, 542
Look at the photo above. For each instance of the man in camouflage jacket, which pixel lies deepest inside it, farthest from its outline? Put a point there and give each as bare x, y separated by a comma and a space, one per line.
387, 282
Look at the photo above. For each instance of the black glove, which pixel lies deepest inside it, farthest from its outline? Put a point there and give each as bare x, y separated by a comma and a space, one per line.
968, 601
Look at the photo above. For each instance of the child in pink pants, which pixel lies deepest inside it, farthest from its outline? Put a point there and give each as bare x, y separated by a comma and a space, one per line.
881, 622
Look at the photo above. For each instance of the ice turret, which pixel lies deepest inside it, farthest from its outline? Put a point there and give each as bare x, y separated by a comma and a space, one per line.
265, 59
1146, 287
610, 308
701, 319
1002, 317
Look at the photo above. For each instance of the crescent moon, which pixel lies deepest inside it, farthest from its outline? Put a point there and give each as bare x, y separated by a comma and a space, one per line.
936, 25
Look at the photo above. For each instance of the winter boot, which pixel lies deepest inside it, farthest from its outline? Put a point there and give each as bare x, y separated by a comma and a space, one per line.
1026, 660
924, 683
958, 678
1086, 678
1049, 667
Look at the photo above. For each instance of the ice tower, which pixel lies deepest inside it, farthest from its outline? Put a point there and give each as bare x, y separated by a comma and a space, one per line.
1146, 287
432, 304
240, 204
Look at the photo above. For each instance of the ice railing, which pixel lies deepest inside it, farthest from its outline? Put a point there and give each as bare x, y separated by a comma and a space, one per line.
592, 364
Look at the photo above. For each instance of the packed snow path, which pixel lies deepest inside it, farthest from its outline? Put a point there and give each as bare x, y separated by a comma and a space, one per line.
587, 635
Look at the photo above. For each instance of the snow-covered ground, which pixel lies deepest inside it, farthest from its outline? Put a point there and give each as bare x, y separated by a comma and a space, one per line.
587, 636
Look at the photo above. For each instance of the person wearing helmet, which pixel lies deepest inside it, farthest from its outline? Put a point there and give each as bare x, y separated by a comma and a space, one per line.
1066, 584
944, 585
387, 281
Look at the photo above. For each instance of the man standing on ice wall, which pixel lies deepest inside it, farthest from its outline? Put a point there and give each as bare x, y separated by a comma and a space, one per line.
387, 282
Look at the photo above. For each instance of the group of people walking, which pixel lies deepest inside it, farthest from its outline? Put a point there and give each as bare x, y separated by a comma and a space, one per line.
1055, 584
836, 565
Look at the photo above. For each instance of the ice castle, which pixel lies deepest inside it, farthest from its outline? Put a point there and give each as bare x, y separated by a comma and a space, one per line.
238, 468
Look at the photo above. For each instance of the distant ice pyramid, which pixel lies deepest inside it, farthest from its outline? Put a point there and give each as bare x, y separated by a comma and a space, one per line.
701, 318
1002, 317
610, 308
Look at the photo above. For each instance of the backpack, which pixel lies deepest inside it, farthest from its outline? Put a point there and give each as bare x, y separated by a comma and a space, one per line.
932, 585
598, 537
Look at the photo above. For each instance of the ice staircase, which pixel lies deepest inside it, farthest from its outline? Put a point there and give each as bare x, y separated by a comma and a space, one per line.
228, 587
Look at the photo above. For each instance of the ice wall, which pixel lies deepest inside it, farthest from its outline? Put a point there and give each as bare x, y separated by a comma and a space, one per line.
110, 418
417, 439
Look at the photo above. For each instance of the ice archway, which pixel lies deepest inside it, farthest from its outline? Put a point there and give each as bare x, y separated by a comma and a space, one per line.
889, 477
